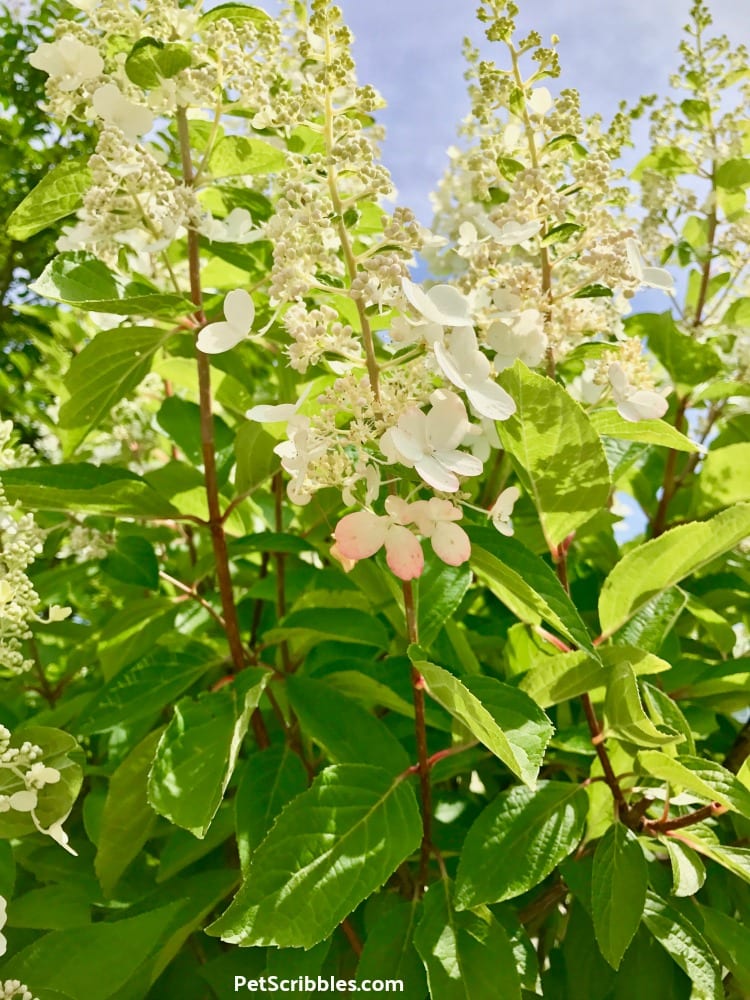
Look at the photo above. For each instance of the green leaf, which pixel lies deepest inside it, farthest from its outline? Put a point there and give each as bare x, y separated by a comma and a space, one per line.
347, 732
81, 279
182, 849
132, 632
465, 706
236, 155
467, 955
345, 625
94, 961
669, 160
127, 819
234, 12
625, 718
724, 478
680, 938
734, 859
133, 561
270, 781
521, 836
733, 173
657, 565
558, 234
57, 195
687, 360
649, 627
54, 907
525, 725
54, 802
688, 871
704, 778
609, 423
525, 584
107, 370
328, 850
145, 687
557, 453
730, 941
83, 487
664, 709
618, 891
198, 751
553, 679
151, 61
256, 461
389, 951
441, 590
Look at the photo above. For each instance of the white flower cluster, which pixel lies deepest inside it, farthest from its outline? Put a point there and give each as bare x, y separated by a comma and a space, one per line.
23, 775
20, 542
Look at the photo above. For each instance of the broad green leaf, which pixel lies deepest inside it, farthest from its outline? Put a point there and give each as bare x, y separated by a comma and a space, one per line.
665, 710
646, 971
609, 423
134, 630
236, 155
328, 850
724, 478
81, 279
557, 678
54, 907
687, 360
107, 370
57, 195
54, 801
311, 625
586, 973
660, 563
467, 955
525, 725
689, 949
389, 951
347, 732
734, 173
182, 849
734, 859
669, 160
618, 891
556, 451
625, 717
180, 419
441, 590
648, 628
688, 871
150, 62
234, 12
703, 778
94, 489
730, 941
94, 961
465, 706
517, 841
127, 819
133, 561
256, 461
291, 963
198, 751
525, 584
270, 781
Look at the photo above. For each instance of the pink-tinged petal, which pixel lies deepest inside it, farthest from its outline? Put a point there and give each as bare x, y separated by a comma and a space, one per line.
642, 405
219, 337
451, 543
239, 309
491, 400
360, 535
403, 553
346, 564
460, 462
436, 475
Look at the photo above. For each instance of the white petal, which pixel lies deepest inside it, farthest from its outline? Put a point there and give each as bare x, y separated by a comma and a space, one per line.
219, 337
23, 801
436, 475
503, 506
446, 421
460, 462
264, 414
443, 304
239, 310
540, 101
491, 400
448, 366
658, 277
618, 379
451, 543
643, 405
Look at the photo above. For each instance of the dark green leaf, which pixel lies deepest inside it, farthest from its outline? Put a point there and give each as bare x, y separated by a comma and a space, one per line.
618, 891
133, 561
57, 195
680, 938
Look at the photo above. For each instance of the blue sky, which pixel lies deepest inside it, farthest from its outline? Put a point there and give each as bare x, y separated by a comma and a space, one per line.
411, 51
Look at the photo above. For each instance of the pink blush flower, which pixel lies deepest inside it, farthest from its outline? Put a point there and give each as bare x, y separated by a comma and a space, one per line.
362, 534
